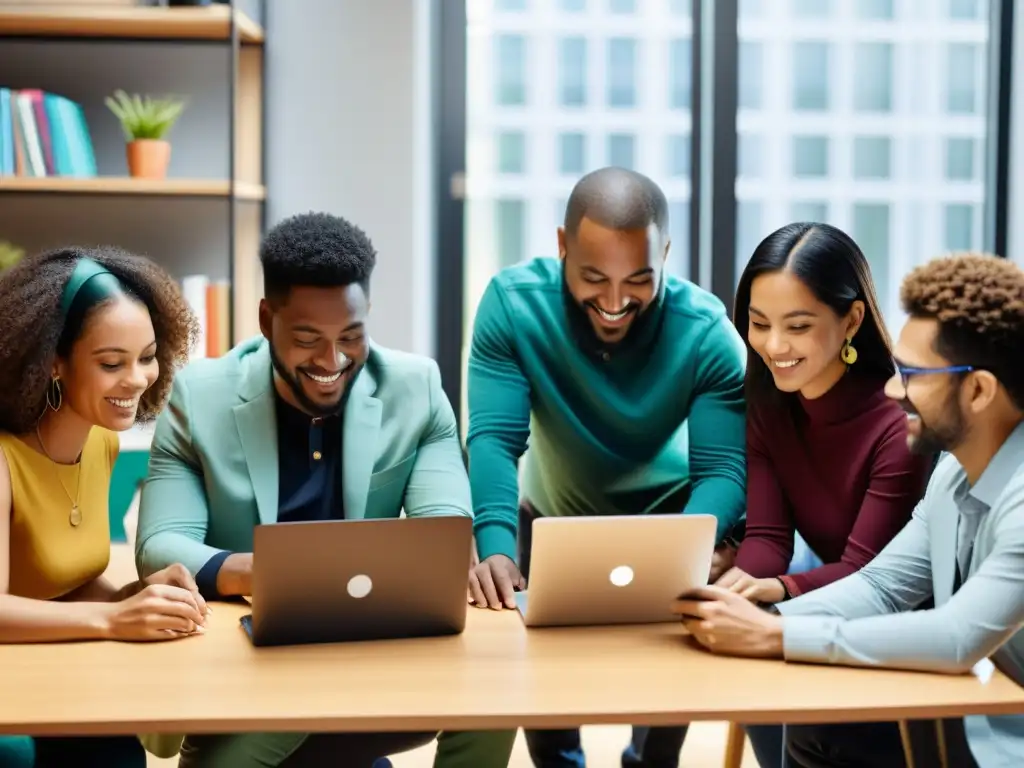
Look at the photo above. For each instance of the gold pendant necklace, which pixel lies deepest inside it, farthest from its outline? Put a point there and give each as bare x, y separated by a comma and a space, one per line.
75, 516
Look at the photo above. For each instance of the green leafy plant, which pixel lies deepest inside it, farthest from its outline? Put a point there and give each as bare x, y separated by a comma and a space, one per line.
10, 255
143, 117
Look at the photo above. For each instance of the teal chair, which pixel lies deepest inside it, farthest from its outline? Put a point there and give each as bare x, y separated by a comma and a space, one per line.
129, 472
17, 752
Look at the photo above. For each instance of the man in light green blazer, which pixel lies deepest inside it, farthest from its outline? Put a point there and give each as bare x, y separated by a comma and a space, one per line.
311, 421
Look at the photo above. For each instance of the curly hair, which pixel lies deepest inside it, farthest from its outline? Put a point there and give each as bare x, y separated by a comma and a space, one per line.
34, 333
978, 301
315, 249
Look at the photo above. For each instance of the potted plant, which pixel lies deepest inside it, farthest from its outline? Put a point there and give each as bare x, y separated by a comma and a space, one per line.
146, 122
10, 255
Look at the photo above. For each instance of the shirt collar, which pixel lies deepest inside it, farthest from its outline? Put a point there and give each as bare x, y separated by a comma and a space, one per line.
1000, 469
292, 418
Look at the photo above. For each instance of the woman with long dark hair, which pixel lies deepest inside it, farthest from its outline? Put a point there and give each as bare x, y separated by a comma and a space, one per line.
827, 456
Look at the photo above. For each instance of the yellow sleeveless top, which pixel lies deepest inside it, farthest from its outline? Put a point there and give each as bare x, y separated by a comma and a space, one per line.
49, 557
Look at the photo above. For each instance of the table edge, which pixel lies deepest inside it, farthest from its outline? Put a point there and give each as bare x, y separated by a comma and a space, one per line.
505, 721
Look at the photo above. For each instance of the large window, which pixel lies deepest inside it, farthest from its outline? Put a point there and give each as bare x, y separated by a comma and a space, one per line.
557, 88
572, 71
510, 70
877, 127
572, 153
871, 115
810, 75
622, 53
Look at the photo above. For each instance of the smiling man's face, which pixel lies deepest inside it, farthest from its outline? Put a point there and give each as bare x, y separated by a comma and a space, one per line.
318, 344
935, 420
613, 275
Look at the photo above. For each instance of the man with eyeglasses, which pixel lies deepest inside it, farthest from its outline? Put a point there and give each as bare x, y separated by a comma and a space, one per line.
960, 359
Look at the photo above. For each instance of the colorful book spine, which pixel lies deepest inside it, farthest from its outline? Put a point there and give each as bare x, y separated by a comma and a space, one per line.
43, 134
210, 301
7, 163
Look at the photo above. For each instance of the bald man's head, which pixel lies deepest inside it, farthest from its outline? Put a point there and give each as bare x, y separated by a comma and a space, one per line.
613, 247
617, 198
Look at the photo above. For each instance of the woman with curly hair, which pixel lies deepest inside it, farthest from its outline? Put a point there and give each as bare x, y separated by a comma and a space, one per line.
90, 343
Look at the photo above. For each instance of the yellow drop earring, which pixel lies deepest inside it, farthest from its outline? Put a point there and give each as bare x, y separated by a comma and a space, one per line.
848, 354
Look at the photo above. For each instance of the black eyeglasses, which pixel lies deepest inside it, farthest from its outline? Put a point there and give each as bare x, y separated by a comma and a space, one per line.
906, 372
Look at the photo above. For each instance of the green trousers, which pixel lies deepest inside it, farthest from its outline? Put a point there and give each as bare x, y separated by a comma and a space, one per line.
455, 749
474, 749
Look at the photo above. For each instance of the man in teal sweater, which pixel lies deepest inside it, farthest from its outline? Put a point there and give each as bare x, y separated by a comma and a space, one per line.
628, 385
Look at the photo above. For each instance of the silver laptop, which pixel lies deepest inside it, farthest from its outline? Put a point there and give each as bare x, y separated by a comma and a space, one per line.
614, 570
325, 582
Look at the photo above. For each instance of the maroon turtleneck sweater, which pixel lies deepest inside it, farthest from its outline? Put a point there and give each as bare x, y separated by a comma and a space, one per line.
839, 474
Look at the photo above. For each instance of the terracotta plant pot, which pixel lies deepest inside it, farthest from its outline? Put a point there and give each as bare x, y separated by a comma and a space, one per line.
148, 158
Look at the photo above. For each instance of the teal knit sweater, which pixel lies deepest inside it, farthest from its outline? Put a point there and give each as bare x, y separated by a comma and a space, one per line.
609, 432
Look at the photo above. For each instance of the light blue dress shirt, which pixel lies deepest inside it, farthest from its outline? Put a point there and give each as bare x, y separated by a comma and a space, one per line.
868, 619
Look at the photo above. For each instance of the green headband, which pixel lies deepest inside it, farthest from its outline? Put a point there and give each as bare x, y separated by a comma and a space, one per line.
85, 270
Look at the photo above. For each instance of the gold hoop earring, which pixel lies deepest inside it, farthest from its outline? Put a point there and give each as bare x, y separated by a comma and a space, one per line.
848, 354
54, 396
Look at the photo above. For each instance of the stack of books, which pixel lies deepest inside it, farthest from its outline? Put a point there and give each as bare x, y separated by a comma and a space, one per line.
43, 134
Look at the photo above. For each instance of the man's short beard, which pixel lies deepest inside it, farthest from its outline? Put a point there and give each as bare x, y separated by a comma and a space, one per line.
305, 402
581, 319
945, 437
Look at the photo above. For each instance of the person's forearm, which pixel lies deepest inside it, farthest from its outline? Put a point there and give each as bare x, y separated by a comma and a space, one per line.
100, 590
500, 404
722, 497
717, 428
982, 615
763, 558
41, 621
850, 598
234, 578
899, 579
916, 640
816, 578
494, 481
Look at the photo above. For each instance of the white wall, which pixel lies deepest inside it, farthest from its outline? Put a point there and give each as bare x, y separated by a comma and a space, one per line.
348, 132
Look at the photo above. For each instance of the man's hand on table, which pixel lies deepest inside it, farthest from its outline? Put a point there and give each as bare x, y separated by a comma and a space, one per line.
721, 561
235, 575
726, 622
493, 583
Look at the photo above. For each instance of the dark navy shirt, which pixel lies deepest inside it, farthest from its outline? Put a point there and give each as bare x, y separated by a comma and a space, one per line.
309, 466
309, 477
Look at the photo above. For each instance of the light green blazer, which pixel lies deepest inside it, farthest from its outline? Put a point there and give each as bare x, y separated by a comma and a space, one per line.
213, 470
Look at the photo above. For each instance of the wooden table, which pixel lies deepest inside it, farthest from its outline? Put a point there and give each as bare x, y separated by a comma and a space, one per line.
495, 675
